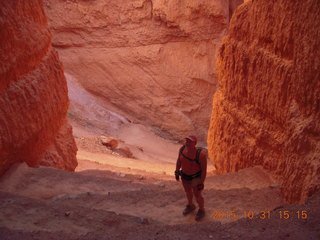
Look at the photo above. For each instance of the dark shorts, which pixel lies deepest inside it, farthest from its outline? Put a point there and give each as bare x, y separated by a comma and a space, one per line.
187, 177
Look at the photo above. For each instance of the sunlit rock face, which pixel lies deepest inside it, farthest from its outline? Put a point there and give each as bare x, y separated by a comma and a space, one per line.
152, 61
267, 107
33, 91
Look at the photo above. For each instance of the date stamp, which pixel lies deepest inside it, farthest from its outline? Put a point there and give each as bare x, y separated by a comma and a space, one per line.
258, 214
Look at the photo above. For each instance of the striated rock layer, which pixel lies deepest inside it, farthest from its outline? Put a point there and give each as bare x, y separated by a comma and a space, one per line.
33, 91
153, 60
267, 108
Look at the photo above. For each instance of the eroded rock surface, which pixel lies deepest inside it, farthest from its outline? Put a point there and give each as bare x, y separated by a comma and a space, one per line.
33, 91
152, 61
267, 110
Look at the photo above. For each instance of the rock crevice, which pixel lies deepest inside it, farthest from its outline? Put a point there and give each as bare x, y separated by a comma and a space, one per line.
33, 91
266, 110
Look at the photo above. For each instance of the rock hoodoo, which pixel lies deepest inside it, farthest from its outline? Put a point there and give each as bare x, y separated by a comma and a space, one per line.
267, 110
33, 91
154, 60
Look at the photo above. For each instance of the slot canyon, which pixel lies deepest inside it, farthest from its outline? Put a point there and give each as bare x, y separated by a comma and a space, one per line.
97, 97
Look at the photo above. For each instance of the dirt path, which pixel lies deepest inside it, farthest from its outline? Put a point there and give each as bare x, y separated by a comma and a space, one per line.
46, 203
148, 195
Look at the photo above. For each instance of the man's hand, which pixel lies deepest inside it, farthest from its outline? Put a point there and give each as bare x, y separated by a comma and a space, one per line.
177, 175
200, 186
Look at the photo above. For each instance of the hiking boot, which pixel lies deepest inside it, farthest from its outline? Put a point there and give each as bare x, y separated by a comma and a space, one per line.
188, 209
200, 214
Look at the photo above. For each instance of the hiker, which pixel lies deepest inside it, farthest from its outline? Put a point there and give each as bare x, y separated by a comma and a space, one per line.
193, 164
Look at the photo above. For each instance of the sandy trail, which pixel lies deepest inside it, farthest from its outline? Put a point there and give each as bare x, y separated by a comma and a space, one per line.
148, 194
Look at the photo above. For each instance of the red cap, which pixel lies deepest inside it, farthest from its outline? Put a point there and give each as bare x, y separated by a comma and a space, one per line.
192, 138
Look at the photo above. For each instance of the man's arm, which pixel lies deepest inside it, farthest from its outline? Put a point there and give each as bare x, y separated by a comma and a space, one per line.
203, 164
178, 166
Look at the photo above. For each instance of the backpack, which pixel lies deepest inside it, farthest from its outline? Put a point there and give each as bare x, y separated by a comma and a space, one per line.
199, 149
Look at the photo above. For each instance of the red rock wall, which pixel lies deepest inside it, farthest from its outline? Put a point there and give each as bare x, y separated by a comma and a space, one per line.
151, 61
33, 91
267, 109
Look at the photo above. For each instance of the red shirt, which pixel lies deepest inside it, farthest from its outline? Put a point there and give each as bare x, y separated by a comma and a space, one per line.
189, 167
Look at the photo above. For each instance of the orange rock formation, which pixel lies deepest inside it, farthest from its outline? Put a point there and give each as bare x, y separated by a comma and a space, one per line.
267, 108
154, 60
33, 91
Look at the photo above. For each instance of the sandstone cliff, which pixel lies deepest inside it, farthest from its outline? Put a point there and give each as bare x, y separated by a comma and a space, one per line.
33, 91
267, 110
152, 61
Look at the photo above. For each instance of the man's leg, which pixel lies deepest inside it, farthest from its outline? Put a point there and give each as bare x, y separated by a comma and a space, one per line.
188, 189
199, 197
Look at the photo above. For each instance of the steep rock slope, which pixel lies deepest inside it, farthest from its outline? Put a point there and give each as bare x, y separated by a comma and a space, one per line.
33, 91
153, 60
267, 110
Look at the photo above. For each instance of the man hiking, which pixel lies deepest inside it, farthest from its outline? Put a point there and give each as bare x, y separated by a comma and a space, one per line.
193, 164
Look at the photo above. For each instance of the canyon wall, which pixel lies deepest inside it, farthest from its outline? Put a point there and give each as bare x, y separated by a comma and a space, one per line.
267, 107
33, 91
151, 61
